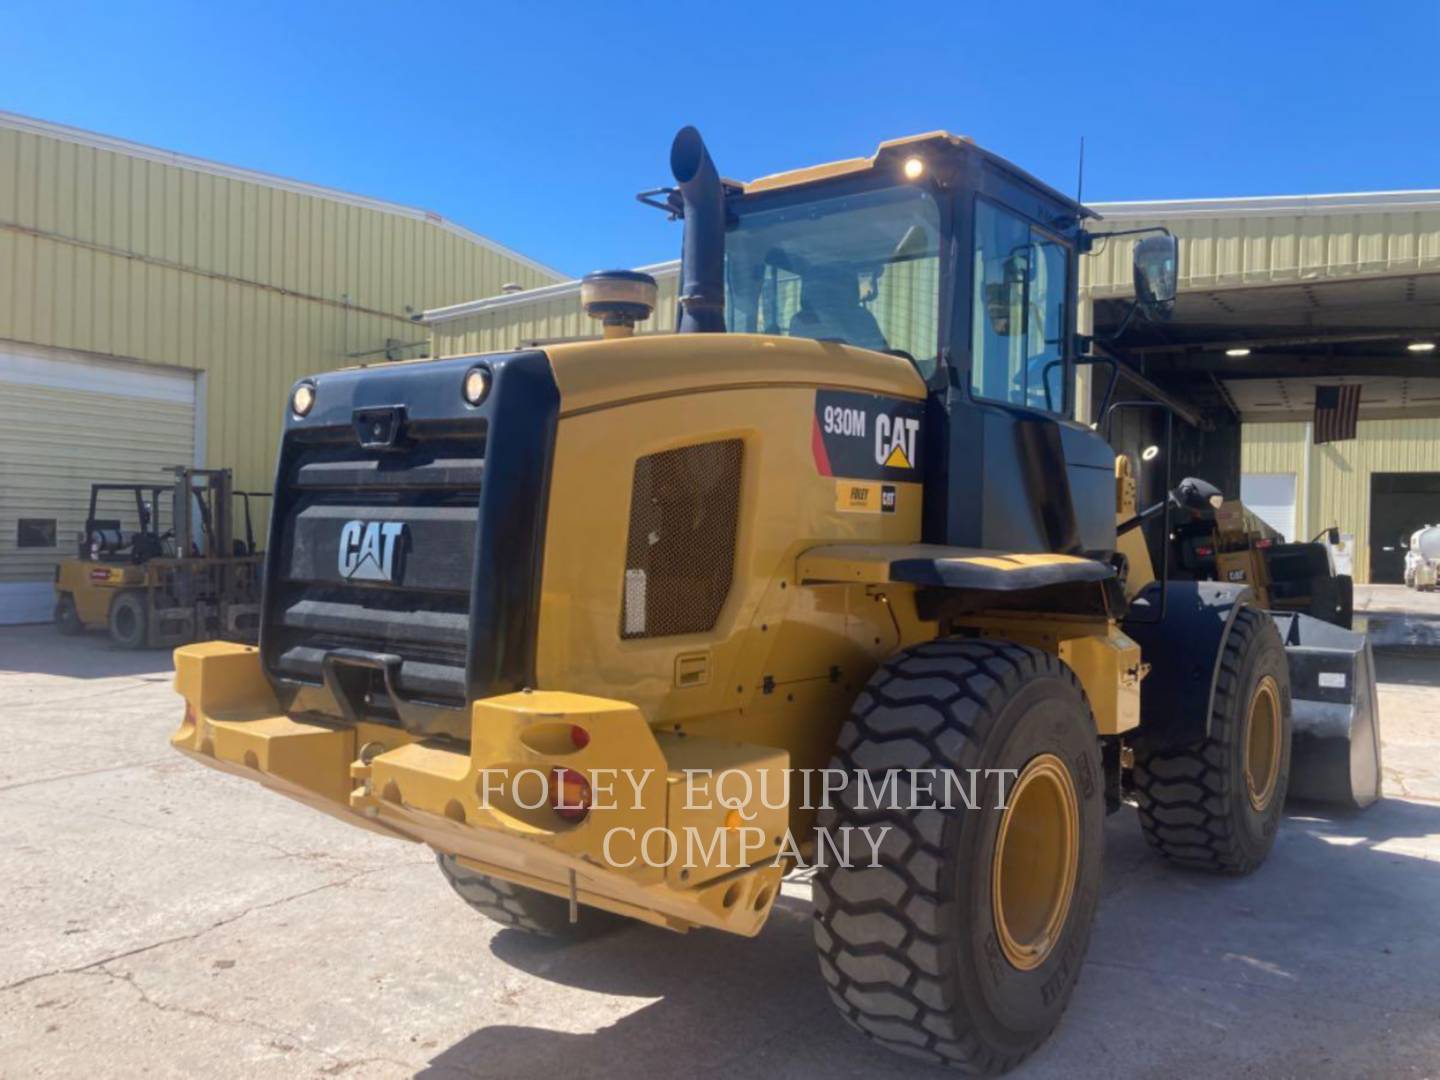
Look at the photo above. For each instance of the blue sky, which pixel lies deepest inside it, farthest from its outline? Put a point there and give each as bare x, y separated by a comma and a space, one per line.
536, 123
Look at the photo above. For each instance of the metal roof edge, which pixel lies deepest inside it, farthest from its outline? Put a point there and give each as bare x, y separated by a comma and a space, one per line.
114, 144
1374, 201
530, 296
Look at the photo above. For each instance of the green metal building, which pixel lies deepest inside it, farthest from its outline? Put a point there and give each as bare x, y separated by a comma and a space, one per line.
155, 309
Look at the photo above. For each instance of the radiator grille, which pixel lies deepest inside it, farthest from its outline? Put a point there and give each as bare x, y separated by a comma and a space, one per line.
680, 557
423, 613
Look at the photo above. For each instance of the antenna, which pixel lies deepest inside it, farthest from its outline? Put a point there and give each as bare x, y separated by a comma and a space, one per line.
1080, 179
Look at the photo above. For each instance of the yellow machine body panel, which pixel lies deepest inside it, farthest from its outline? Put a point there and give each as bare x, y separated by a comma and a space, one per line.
94, 585
761, 690
604, 374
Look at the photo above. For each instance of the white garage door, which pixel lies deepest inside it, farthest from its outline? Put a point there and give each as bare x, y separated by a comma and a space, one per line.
1272, 497
67, 421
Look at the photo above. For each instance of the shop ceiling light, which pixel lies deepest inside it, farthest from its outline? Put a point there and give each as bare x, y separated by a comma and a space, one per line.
1238, 351
1421, 346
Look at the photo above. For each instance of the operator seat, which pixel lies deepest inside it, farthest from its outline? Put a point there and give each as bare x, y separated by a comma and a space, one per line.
830, 308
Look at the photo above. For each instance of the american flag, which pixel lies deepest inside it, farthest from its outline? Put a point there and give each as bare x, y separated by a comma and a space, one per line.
1337, 411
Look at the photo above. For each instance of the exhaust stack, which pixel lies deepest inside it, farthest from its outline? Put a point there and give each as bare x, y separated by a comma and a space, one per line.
702, 254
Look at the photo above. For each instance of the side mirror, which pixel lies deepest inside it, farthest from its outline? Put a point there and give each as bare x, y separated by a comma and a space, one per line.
1157, 270
1332, 534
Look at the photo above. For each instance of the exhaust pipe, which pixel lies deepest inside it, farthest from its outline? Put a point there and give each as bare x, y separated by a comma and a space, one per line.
702, 254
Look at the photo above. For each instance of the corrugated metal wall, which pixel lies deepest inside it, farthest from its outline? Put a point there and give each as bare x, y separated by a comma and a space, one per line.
512, 322
1300, 239
77, 424
112, 250
1333, 485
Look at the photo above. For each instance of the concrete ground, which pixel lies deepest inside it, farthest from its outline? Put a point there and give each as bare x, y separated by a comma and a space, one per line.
160, 918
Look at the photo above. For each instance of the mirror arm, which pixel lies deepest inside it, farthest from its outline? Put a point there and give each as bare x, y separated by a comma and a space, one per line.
1088, 238
1119, 331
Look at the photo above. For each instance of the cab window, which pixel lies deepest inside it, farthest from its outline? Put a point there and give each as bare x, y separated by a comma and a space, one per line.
862, 268
1018, 328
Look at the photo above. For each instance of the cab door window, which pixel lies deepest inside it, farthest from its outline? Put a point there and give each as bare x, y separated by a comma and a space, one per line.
1022, 278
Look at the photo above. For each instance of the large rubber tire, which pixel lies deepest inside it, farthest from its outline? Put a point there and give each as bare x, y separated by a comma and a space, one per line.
129, 615
910, 948
519, 908
67, 617
1195, 802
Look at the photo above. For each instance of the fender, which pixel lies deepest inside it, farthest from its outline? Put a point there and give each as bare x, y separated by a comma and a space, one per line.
1183, 642
939, 566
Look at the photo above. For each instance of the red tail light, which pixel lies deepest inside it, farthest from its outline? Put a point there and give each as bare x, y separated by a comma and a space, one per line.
1264, 543
569, 794
1204, 552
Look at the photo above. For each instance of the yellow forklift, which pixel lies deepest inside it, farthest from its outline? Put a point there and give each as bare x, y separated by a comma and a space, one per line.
175, 577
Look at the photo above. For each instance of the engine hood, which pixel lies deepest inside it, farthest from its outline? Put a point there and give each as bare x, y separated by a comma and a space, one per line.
602, 374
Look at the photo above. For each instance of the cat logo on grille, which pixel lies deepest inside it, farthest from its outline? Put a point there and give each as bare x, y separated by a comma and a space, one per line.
367, 550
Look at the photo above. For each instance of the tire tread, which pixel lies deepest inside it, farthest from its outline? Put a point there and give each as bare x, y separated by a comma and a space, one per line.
878, 931
1182, 794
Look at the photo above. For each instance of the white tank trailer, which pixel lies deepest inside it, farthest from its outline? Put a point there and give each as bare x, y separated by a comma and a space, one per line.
1422, 558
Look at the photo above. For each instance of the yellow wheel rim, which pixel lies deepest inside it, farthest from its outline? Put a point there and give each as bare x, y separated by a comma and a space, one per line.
1262, 743
1037, 857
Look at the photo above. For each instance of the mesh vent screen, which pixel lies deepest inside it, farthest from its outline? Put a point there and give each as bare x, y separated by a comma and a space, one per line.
680, 557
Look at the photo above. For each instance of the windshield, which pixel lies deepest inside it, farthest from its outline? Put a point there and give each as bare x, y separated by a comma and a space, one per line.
861, 269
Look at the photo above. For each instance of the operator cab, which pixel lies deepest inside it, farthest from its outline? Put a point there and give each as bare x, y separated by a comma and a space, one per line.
942, 253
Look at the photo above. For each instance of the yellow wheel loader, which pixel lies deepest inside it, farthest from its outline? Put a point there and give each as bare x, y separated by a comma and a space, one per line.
831, 577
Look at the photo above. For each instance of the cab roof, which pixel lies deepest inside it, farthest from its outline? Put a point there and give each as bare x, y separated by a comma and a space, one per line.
932, 142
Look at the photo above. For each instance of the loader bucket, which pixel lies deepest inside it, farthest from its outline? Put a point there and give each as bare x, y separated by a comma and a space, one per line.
1335, 747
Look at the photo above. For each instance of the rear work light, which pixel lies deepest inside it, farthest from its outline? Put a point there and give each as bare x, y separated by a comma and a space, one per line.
476, 386
302, 399
569, 794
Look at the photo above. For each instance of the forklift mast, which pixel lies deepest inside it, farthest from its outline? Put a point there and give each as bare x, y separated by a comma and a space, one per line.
203, 496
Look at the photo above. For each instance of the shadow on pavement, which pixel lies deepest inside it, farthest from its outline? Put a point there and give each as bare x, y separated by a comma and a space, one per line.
40, 650
1342, 910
